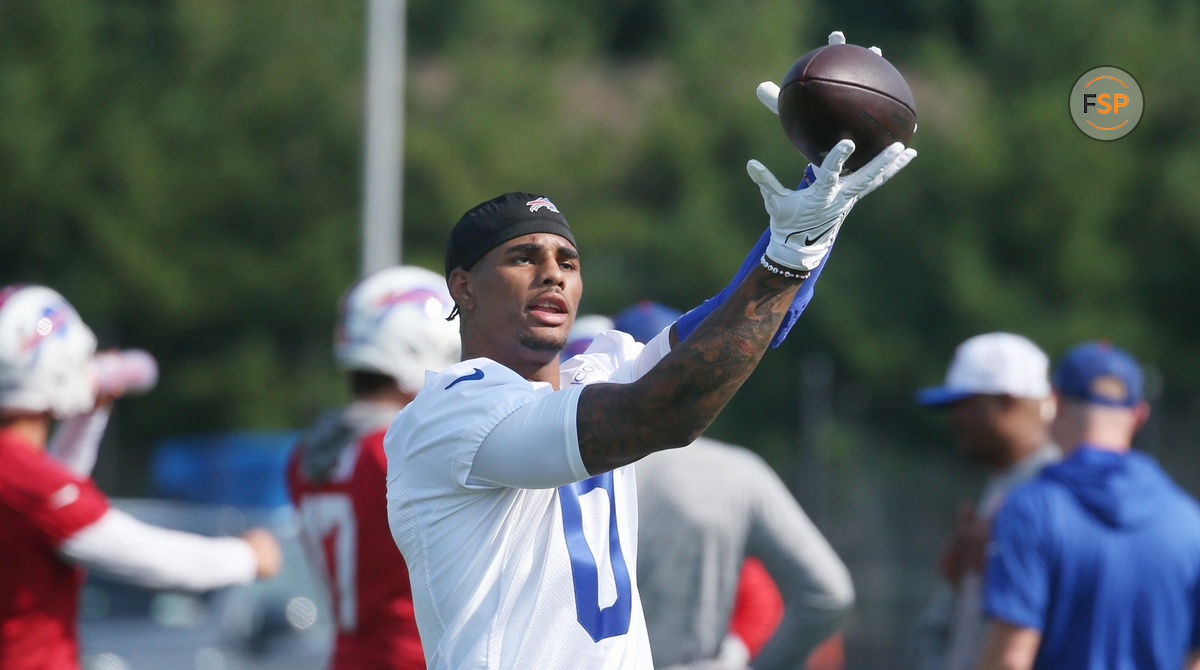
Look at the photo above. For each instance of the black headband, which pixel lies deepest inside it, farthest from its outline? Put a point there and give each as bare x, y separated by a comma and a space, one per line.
499, 220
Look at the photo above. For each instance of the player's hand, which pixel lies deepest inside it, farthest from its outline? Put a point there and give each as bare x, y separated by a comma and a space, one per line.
121, 373
733, 652
266, 550
768, 91
805, 222
964, 553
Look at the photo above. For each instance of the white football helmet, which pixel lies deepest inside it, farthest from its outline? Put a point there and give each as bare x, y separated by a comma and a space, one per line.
394, 322
46, 353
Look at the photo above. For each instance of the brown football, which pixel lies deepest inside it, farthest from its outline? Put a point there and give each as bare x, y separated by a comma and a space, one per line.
846, 91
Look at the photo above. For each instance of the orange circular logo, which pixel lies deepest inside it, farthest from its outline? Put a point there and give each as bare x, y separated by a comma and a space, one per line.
1106, 103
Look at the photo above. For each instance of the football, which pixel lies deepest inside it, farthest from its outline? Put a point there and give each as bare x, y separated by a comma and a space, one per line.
846, 91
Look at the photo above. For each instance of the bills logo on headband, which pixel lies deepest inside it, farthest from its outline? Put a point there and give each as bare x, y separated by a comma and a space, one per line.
538, 203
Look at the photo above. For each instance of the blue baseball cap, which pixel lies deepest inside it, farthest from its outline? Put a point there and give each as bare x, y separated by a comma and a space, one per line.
645, 319
1101, 374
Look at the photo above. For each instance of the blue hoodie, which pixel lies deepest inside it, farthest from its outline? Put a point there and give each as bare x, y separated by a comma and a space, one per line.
1101, 553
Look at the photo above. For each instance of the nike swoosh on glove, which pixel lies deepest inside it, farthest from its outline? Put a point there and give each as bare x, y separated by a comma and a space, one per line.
805, 222
690, 320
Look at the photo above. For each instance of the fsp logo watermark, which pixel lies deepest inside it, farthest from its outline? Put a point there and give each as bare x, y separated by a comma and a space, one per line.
1106, 103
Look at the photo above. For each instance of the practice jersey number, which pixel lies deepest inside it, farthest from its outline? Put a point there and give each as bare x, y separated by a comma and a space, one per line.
331, 536
599, 622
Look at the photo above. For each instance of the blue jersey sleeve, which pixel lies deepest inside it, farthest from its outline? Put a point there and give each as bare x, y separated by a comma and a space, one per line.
1017, 579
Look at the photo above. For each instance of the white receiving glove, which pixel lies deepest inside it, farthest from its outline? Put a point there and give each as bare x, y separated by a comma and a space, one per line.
805, 222
838, 37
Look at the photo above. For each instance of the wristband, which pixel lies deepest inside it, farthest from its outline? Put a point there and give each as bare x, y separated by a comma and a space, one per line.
782, 272
687, 323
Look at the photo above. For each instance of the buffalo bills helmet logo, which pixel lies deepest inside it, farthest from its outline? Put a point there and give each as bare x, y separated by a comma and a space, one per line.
538, 203
424, 299
52, 322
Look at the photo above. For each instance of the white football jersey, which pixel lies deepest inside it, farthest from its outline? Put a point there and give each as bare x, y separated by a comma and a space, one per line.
507, 577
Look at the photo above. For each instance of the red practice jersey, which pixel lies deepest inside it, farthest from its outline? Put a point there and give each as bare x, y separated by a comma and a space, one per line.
41, 505
337, 476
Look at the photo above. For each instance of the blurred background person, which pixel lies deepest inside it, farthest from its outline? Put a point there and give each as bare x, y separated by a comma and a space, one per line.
54, 521
391, 329
703, 510
1095, 563
997, 394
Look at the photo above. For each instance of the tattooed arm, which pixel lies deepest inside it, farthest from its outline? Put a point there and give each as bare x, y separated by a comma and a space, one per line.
673, 403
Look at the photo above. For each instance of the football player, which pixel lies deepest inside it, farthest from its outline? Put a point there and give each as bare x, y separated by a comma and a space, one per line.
392, 328
510, 486
54, 522
511, 491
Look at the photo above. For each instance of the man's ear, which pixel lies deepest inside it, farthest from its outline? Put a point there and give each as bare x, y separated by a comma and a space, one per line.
459, 283
1049, 408
1141, 414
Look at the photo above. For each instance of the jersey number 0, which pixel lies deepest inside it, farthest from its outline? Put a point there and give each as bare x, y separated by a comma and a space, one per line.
599, 622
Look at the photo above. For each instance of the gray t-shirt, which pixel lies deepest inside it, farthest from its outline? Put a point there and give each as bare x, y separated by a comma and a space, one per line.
950, 635
703, 509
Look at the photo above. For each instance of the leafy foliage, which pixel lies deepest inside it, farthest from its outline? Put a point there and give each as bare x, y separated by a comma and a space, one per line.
188, 174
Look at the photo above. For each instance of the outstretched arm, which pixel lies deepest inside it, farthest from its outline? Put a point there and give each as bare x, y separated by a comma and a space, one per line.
157, 557
674, 403
768, 94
